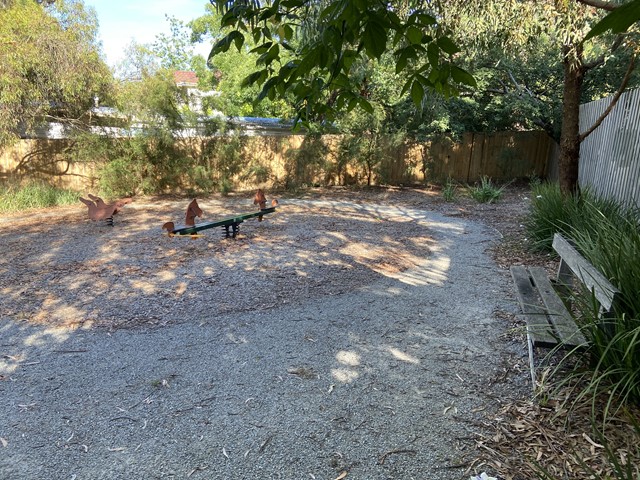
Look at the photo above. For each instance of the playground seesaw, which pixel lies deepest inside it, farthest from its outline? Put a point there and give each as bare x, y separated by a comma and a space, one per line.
231, 225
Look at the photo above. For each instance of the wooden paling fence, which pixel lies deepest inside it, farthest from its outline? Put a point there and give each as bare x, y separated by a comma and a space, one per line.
610, 156
294, 160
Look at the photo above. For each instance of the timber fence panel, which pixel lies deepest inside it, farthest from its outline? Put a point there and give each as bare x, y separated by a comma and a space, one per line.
609, 157
296, 160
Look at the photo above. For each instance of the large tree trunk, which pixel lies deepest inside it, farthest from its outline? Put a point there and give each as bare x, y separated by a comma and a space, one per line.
570, 134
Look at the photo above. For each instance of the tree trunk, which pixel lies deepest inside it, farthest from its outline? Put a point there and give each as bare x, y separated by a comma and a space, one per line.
570, 134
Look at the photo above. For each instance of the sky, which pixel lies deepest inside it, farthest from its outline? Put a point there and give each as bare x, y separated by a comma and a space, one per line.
141, 20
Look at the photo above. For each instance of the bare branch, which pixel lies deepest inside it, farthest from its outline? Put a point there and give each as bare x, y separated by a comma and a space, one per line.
608, 6
614, 100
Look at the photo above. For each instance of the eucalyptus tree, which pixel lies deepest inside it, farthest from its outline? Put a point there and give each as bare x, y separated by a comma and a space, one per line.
565, 24
326, 37
51, 65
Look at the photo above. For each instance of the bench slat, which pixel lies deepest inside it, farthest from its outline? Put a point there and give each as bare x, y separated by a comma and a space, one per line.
605, 293
538, 328
566, 329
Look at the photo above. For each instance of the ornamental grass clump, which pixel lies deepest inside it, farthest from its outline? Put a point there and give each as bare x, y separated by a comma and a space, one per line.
611, 243
15, 196
450, 190
550, 213
608, 236
486, 191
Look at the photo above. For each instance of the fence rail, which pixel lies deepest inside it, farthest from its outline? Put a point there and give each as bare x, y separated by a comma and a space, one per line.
610, 156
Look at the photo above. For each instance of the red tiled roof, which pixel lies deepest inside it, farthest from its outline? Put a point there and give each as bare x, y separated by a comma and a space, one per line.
182, 77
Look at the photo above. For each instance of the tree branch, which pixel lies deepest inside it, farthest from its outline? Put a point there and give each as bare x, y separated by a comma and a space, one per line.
608, 6
614, 100
600, 60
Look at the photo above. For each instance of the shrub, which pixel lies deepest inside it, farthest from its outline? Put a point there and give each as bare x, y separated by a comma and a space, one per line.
118, 179
486, 191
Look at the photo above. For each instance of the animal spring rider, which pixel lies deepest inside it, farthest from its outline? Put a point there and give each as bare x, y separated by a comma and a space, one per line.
98, 210
230, 225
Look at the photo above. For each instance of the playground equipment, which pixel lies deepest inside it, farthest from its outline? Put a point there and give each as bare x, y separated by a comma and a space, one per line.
231, 225
98, 210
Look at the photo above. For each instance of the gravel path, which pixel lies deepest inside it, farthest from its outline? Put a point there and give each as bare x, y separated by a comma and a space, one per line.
387, 376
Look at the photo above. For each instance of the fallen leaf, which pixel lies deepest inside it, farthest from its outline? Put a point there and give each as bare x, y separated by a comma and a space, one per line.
342, 475
588, 439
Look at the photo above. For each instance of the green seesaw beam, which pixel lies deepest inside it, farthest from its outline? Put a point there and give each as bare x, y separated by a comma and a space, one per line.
231, 222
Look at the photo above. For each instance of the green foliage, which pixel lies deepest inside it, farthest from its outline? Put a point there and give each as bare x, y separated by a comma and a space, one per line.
15, 197
226, 159
485, 191
325, 41
608, 236
306, 166
118, 180
228, 71
618, 21
551, 212
450, 190
50, 65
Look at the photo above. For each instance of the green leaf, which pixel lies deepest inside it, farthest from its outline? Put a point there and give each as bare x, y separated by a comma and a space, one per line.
407, 85
361, 5
414, 35
348, 57
365, 105
239, 41
262, 48
417, 93
224, 43
374, 39
401, 62
447, 45
334, 10
341, 81
252, 78
617, 21
426, 19
462, 76
433, 54
268, 89
288, 32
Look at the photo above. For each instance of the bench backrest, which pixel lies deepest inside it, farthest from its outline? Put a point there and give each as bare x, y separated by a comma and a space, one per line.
572, 262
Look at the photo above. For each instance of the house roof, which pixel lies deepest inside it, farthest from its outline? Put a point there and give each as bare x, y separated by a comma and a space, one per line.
185, 79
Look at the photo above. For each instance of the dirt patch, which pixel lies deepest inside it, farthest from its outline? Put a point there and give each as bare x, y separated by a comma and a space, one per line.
78, 272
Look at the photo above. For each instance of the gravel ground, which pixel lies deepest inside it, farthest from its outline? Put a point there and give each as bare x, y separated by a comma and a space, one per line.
333, 340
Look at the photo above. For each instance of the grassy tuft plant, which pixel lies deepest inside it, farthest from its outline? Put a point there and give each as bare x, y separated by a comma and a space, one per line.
15, 196
450, 190
550, 213
486, 191
608, 236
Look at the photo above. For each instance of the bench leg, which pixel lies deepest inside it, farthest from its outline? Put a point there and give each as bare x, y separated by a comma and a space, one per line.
532, 366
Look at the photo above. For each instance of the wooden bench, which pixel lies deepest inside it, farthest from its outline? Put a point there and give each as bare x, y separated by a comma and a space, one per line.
549, 322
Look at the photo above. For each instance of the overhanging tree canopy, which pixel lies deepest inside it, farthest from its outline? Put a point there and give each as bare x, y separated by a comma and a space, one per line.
327, 38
